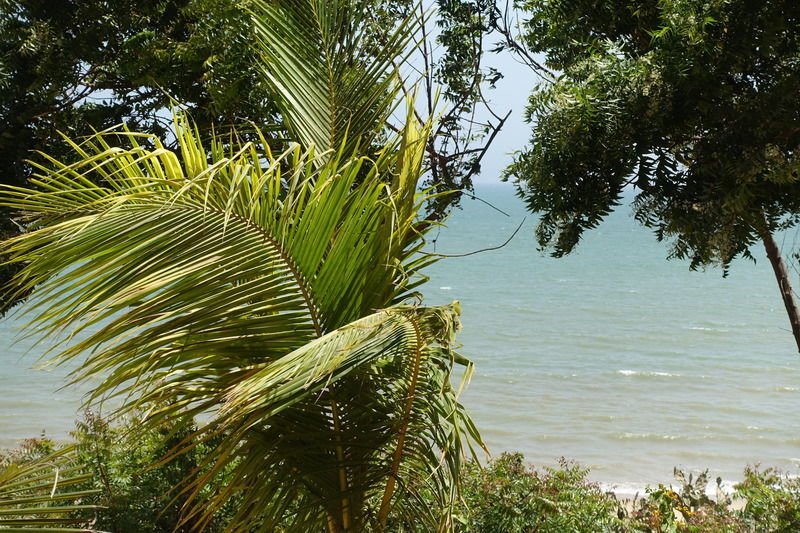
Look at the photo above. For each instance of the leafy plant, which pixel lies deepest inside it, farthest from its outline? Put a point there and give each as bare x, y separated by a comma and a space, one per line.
37, 490
690, 510
265, 290
772, 500
135, 491
273, 294
692, 104
313, 56
506, 495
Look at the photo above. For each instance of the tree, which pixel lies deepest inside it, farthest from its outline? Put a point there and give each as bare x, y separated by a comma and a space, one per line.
269, 290
470, 122
693, 104
79, 66
269, 297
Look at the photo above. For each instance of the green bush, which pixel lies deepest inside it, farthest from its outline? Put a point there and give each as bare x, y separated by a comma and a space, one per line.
689, 510
28, 450
773, 500
136, 495
509, 497
504, 496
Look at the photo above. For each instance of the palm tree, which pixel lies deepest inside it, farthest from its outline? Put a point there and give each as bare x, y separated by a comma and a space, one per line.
272, 293
269, 293
37, 495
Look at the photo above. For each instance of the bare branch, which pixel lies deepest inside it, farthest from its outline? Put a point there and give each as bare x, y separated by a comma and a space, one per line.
483, 249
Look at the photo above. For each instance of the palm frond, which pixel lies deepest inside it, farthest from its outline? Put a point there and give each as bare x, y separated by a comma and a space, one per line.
395, 430
336, 87
38, 495
263, 291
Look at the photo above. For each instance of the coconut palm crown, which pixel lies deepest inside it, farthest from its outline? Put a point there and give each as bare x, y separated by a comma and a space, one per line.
270, 293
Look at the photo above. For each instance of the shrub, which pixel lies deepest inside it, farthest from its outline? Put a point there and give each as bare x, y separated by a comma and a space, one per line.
137, 492
504, 496
28, 450
510, 497
689, 510
772, 500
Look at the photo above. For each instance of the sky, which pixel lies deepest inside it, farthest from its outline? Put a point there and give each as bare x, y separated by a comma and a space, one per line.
512, 94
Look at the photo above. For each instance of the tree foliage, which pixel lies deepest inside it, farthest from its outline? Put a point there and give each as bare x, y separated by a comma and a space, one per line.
265, 289
268, 286
79, 66
692, 103
133, 489
87, 65
74, 65
467, 129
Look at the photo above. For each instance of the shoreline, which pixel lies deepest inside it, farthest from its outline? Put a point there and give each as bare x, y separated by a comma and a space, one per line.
630, 492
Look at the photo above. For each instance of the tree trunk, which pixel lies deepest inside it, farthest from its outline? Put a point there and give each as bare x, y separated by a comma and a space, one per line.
333, 527
782, 277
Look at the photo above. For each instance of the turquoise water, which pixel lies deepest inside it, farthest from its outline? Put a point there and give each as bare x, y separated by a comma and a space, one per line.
612, 356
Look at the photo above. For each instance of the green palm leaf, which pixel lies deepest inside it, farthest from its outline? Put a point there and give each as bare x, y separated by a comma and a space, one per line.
336, 82
38, 496
263, 292
407, 440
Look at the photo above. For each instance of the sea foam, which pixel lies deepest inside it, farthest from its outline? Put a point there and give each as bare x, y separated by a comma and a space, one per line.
648, 374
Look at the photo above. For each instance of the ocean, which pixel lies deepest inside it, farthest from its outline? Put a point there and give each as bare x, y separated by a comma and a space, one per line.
613, 356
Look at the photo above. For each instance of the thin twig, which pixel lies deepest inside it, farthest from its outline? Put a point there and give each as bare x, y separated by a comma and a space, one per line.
484, 201
484, 249
491, 139
518, 48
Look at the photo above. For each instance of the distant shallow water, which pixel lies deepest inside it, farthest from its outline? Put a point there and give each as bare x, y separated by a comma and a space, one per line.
612, 356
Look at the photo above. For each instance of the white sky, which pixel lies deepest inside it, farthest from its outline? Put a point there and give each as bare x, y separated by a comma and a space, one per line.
512, 93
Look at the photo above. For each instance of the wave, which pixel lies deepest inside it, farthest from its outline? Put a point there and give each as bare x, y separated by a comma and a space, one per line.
710, 330
648, 374
649, 436
770, 389
720, 438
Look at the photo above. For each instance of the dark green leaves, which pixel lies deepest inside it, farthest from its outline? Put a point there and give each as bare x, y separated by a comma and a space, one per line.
692, 103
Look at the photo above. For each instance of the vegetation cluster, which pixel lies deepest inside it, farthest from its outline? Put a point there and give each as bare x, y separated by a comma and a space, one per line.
126, 486
267, 282
691, 105
244, 279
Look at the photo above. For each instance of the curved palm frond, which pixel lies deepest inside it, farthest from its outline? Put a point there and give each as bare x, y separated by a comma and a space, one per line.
335, 73
382, 386
216, 257
33, 499
234, 282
